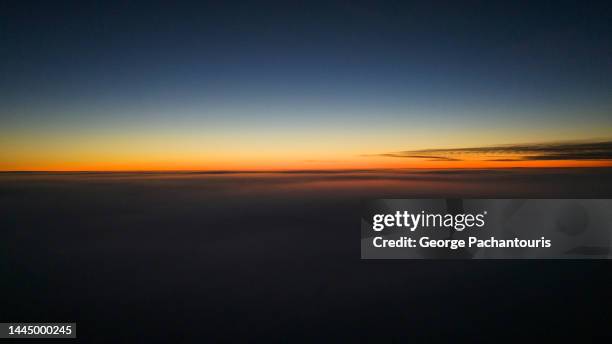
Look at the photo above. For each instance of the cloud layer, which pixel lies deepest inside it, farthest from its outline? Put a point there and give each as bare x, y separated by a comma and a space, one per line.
600, 150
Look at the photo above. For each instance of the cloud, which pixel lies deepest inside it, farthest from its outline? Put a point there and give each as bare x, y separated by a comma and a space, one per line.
595, 150
430, 157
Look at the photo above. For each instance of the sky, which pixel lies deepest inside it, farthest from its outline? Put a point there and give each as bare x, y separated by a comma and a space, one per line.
260, 85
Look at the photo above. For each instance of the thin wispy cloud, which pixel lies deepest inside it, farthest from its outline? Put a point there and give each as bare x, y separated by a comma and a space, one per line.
428, 157
594, 150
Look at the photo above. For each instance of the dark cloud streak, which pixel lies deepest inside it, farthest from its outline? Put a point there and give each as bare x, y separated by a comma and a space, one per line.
601, 150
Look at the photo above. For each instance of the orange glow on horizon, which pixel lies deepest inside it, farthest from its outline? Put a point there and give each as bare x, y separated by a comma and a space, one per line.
177, 155
380, 163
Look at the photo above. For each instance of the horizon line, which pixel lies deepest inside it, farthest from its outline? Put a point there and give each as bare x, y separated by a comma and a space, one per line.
305, 170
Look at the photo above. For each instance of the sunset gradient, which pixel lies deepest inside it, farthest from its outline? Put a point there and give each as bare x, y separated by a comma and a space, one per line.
257, 88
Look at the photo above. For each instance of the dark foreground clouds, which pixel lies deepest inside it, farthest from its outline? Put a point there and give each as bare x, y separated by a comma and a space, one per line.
236, 257
599, 150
